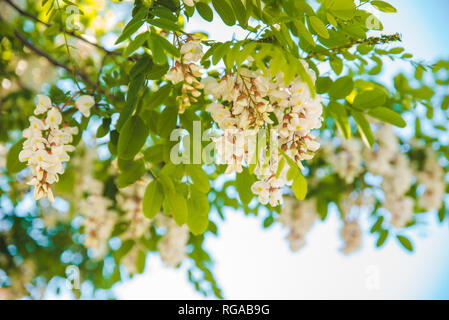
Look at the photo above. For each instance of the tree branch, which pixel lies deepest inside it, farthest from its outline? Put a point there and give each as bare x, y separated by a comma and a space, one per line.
368, 41
50, 59
71, 33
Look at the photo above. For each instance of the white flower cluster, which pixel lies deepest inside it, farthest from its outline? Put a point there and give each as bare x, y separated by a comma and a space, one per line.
48, 142
172, 245
130, 260
187, 72
351, 233
432, 177
46, 146
98, 222
397, 175
3, 153
347, 160
354, 202
247, 102
129, 199
190, 3
299, 217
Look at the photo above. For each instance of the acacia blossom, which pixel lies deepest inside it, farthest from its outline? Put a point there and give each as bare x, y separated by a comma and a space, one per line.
47, 143
346, 160
172, 245
351, 233
249, 104
98, 222
432, 178
188, 72
3, 153
299, 217
129, 200
46, 147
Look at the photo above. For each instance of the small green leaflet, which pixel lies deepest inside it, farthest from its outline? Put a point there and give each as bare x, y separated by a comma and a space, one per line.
372, 98
388, 115
199, 177
405, 242
341, 88
132, 137
152, 199
175, 204
225, 12
205, 11
364, 128
319, 27
198, 212
338, 112
13, 165
383, 6
299, 185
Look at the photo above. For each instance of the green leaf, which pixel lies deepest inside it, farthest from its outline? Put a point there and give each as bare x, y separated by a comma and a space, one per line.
198, 212
383, 234
323, 84
152, 199
136, 43
176, 205
133, 25
364, 128
104, 128
126, 247
338, 112
140, 261
205, 11
158, 97
343, 9
299, 186
442, 212
243, 183
132, 137
239, 11
220, 50
157, 49
157, 71
336, 65
164, 24
199, 177
225, 12
377, 225
370, 99
13, 165
388, 115
383, 6
445, 103
405, 242
341, 88
319, 27
167, 121
132, 172
304, 33
167, 45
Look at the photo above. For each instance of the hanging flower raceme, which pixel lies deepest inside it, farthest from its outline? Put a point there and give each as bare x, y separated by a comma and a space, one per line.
130, 199
432, 178
172, 245
248, 103
188, 72
3, 153
352, 236
47, 145
299, 217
